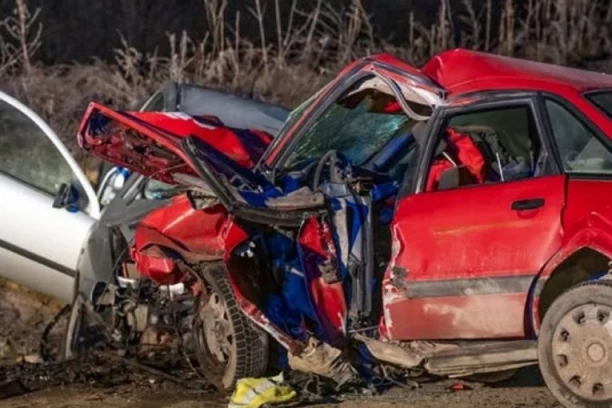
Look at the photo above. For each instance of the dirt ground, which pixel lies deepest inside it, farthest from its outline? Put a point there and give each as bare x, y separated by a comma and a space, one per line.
100, 384
127, 397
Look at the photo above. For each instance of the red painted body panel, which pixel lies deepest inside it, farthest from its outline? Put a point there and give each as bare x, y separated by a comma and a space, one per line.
477, 231
472, 233
458, 70
207, 235
589, 206
457, 317
197, 236
198, 231
587, 221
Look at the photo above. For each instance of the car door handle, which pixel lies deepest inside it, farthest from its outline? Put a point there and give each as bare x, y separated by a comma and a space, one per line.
531, 204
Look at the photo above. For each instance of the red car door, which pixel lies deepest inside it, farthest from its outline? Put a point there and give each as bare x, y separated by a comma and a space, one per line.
466, 257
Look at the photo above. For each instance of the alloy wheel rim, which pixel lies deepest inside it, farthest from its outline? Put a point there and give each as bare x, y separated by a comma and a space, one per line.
217, 329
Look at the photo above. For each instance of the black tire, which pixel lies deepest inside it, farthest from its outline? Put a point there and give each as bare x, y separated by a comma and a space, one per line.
557, 330
248, 355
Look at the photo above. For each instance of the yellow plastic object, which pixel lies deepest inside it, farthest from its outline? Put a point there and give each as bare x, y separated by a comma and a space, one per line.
255, 392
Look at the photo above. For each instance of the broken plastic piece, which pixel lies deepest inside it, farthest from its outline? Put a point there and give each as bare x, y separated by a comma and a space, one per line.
459, 387
257, 392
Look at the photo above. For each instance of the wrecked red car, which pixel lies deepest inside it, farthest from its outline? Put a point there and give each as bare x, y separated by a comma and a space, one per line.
454, 219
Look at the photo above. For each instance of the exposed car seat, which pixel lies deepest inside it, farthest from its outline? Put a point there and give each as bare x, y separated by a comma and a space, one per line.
456, 177
488, 141
507, 159
512, 128
460, 152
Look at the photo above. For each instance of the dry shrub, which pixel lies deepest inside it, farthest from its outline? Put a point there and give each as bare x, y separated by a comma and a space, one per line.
20, 38
303, 51
61, 94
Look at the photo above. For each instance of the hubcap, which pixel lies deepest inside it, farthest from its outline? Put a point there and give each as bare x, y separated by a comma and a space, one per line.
596, 352
217, 329
582, 351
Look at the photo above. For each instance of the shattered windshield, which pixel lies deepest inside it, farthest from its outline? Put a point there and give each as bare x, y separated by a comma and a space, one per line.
357, 125
292, 119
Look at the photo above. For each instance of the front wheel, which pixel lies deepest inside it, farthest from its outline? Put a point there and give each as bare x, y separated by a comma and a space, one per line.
228, 345
575, 346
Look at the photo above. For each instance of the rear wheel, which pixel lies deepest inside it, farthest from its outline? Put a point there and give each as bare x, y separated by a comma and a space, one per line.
575, 346
228, 345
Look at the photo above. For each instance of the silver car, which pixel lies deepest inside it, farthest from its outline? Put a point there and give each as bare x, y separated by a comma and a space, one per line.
58, 233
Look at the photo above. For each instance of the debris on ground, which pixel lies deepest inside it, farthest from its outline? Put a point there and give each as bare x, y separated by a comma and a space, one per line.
257, 392
459, 386
97, 369
30, 359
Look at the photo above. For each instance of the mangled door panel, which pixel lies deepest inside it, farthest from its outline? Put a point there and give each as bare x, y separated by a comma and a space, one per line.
305, 286
337, 255
319, 278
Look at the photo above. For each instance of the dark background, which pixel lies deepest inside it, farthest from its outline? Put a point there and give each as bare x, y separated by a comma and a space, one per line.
79, 30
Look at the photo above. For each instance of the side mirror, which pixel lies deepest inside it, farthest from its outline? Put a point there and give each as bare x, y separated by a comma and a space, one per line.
67, 197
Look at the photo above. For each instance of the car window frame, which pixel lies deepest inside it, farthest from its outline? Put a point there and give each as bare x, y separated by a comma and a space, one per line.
582, 118
486, 101
586, 95
92, 207
21, 180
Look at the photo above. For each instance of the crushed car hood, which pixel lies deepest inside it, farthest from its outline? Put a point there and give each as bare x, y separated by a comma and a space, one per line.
150, 142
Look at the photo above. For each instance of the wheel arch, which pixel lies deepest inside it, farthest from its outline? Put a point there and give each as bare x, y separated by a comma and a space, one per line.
586, 255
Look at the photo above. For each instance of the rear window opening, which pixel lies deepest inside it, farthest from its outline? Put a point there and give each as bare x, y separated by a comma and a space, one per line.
602, 100
580, 149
